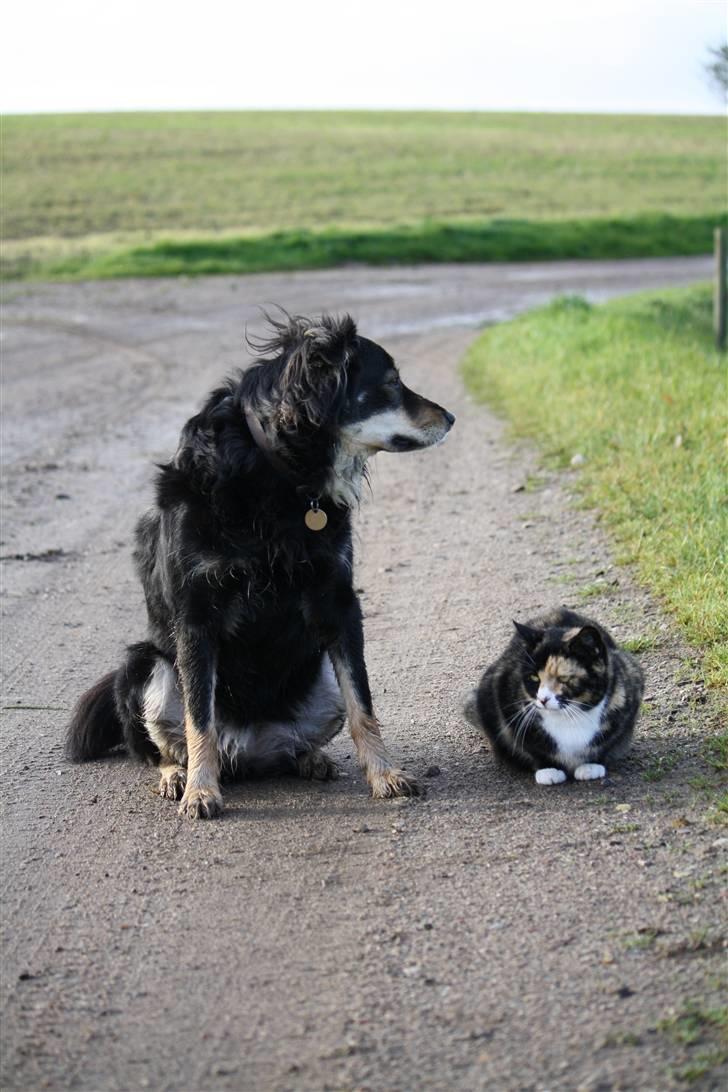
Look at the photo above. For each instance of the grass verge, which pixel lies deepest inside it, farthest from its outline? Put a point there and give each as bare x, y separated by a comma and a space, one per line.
702, 1034
646, 235
636, 387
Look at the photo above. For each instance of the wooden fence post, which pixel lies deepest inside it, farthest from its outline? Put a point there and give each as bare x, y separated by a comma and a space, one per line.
719, 288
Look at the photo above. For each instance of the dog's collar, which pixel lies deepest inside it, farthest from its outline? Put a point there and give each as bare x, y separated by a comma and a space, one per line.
315, 518
266, 447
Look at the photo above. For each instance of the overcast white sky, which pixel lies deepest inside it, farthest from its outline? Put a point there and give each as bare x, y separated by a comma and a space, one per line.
579, 55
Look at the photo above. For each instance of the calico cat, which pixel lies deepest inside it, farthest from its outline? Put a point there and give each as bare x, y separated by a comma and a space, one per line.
562, 699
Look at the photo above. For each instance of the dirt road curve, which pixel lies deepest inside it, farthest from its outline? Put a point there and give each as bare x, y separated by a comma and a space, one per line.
496, 935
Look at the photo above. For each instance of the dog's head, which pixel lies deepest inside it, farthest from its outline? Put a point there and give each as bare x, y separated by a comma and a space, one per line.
331, 379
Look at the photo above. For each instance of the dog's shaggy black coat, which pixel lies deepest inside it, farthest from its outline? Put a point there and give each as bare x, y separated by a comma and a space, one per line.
244, 601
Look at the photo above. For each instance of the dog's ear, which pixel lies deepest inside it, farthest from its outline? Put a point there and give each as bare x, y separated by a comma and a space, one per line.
313, 380
330, 340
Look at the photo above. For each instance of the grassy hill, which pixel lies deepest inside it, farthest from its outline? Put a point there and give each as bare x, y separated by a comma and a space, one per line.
87, 187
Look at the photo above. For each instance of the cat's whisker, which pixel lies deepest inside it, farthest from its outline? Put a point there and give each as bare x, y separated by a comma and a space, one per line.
521, 711
515, 723
520, 727
516, 720
572, 716
529, 714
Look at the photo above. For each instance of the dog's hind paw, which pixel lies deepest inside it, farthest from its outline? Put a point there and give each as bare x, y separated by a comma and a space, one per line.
201, 803
317, 766
172, 782
393, 783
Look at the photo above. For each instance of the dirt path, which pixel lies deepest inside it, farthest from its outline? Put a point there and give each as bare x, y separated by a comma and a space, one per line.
495, 935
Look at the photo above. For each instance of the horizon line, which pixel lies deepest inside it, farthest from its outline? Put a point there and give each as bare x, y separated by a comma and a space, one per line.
601, 111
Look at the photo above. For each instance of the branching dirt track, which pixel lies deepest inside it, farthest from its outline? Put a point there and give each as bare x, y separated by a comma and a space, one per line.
495, 935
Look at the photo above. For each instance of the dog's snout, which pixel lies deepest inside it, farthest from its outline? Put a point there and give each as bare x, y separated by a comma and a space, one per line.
449, 417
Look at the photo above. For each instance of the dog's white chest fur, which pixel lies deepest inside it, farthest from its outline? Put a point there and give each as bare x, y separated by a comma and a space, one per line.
346, 476
573, 732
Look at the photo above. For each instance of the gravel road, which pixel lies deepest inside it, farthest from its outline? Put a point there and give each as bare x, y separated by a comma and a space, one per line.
494, 935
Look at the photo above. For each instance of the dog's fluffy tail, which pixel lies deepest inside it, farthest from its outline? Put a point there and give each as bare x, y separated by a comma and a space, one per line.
470, 709
95, 726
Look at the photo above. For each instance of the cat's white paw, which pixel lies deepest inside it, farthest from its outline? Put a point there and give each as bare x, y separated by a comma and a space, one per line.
551, 777
590, 771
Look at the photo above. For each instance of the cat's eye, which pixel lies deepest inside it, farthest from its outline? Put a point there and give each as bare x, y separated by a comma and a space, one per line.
534, 678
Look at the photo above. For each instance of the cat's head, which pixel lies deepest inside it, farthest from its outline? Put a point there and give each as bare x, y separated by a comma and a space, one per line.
563, 670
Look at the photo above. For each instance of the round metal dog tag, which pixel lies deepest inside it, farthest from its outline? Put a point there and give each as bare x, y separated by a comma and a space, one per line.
316, 519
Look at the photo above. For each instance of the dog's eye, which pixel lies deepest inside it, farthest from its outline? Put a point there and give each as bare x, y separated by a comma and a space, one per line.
361, 398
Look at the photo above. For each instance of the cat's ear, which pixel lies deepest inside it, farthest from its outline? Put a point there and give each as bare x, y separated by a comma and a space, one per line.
587, 641
528, 634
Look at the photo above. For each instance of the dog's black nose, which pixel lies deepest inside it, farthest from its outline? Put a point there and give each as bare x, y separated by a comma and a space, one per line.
450, 418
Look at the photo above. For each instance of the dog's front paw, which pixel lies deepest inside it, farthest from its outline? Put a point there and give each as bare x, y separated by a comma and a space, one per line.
172, 782
393, 783
317, 766
201, 802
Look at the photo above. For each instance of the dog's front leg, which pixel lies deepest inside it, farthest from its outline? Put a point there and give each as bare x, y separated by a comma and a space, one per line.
347, 656
196, 663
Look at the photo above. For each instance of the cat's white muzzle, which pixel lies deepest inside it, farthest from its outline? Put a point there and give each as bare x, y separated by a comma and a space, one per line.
546, 699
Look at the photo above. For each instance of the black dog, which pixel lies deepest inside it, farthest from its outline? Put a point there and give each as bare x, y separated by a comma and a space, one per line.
255, 651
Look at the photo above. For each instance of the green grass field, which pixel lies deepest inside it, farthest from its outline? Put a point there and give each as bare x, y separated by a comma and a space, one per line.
99, 195
637, 387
